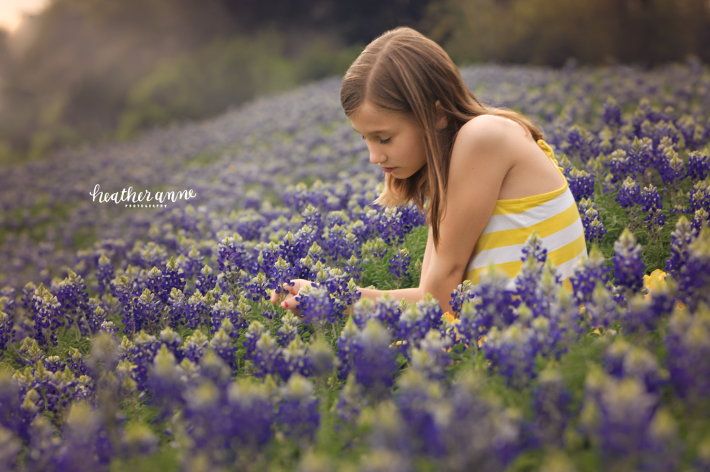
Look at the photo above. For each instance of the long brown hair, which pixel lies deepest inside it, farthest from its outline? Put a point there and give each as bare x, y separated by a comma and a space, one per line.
405, 72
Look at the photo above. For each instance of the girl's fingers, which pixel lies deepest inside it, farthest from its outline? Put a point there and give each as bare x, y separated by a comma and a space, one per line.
289, 302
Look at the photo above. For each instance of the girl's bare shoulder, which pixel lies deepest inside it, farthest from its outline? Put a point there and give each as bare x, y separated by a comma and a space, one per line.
488, 136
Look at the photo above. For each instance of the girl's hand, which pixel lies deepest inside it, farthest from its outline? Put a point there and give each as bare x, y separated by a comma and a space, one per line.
289, 302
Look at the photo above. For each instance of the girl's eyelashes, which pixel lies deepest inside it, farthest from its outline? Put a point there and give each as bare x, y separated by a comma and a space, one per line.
385, 141
382, 141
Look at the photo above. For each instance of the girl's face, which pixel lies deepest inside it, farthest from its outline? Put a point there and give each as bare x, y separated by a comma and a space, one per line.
394, 140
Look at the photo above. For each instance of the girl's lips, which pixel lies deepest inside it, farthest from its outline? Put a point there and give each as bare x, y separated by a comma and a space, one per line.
388, 169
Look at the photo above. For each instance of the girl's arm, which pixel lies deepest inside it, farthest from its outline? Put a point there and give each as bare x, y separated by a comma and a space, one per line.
479, 163
412, 295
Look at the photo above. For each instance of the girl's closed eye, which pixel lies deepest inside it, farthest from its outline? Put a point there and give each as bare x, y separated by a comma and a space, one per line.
382, 141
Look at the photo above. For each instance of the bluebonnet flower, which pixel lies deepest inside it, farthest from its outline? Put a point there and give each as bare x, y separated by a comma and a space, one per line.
628, 266
411, 328
353, 267
85, 439
316, 305
594, 229
282, 273
650, 198
250, 418
621, 165
297, 411
461, 294
373, 249
256, 288
194, 346
511, 353
493, 433
701, 219
223, 309
602, 310
417, 399
688, 361
142, 354
104, 274
399, 264
30, 352
527, 287
203, 404
579, 143
698, 165
43, 444
147, 311
7, 323
176, 308
206, 280
641, 364
431, 358
293, 359
617, 415
75, 361
127, 292
663, 450
321, 361
389, 310
288, 331
671, 168
364, 310
223, 345
655, 221
96, 315
680, 240
641, 154
581, 184
694, 276
494, 300
587, 273
10, 448
47, 315
700, 196
373, 360
266, 355
629, 194
390, 226
165, 380
350, 401
552, 403
612, 113
432, 313
251, 336
232, 253
346, 347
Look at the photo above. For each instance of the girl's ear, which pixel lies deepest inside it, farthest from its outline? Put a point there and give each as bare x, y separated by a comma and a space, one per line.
441, 121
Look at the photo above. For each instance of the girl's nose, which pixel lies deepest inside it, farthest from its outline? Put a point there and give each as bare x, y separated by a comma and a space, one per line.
376, 156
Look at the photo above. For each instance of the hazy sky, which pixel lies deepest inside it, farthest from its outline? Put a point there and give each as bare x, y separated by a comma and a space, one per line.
11, 11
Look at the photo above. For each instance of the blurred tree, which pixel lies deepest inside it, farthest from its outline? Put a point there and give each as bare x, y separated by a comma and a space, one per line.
645, 32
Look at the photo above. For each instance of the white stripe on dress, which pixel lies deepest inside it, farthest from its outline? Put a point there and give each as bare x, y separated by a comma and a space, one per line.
512, 253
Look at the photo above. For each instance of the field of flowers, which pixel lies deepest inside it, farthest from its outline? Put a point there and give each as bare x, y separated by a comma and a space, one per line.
144, 339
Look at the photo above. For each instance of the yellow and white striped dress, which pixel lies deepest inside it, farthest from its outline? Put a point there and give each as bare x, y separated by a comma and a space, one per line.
555, 217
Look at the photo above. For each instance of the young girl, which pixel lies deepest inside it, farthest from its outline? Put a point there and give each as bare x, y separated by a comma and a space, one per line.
489, 177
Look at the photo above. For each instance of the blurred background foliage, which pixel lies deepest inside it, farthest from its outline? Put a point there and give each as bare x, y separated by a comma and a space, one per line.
90, 71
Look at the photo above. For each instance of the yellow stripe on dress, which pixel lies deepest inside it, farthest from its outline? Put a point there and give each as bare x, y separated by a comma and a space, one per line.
513, 236
520, 205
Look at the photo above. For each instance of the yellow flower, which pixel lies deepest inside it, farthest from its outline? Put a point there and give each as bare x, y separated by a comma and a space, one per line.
654, 280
